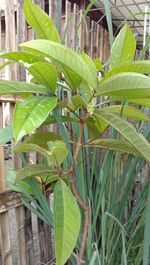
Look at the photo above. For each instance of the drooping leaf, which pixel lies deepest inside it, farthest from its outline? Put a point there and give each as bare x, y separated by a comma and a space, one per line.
141, 101
45, 73
42, 138
41, 22
128, 111
35, 171
30, 114
126, 130
116, 145
19, 88
123, 49
66, 222
142, 67
29, 147
126, 85
6, 135
62, 55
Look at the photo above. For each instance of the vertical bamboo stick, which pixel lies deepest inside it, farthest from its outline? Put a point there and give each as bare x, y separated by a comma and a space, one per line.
2, 162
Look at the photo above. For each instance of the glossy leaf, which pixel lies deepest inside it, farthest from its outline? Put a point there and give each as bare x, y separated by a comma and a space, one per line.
128, 111
142, 67
126, 85
123, 49
58, 152
126, 130
20, 88
116, 145
6, 135
41, 22
66, 222
62, 55
45, 73
30, 114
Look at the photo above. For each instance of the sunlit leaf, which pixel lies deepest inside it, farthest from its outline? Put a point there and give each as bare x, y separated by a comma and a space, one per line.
45, 73
30, 114
41, 22
62, 55
6, 135
123, 49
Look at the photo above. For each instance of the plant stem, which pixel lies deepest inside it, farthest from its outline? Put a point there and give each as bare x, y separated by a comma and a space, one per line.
76, 193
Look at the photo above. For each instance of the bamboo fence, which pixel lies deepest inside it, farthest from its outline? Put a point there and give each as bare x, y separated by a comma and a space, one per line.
91, 37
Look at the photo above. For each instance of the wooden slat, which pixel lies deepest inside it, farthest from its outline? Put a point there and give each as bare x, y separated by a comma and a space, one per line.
45, 243
5, 242
9, 200
2, 162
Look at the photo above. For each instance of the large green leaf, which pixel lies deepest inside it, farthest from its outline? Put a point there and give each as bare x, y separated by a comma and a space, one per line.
6, 135
126, 130
141, 101
126, 85
41, 22
45, 73
52, 119
29, 147
123, 49
22, 57
42, 138
30, 114
142, 67
127, 111
116, 145
36, 171
62, 55
9, 87
66, 222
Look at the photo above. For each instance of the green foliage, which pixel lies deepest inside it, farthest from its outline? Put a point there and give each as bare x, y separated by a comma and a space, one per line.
40, 21
123, 49
66, 222
33, 112
101, 182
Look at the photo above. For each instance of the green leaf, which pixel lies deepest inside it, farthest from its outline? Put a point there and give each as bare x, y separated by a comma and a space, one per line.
126, 86
66, 222
78, 102
29, 147
35, 171
45, 73
141, 101
146, 250
52, 119
116, 145
41, 22
58, 152
42, 138
62, 55
93, 130
22, 57
126, 130
30, 114
123, 49
20, 88
91, 66
98, 64
21, 186
128, 111
6, 135
72, 78
142, 67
